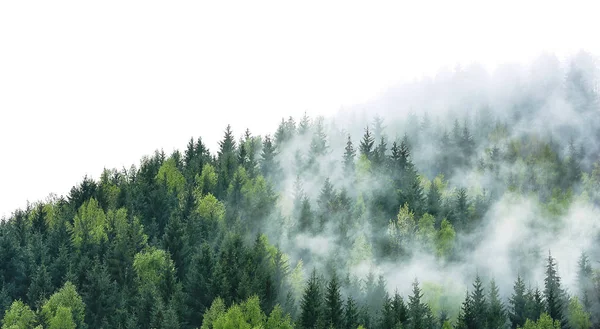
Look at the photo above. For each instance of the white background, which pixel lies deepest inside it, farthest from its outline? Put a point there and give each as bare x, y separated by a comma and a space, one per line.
86, 85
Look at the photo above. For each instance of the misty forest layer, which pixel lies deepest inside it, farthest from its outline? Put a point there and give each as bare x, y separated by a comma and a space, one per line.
467, 201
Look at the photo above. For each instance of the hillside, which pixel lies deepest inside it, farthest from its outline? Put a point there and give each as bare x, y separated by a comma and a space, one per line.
470, 201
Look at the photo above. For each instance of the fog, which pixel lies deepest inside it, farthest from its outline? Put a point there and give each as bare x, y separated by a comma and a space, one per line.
101, 88
88, 86
537, 103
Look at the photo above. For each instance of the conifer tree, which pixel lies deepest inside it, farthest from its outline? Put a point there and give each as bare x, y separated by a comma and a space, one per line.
334, 315
311, 305
517, 304
366, 144
304, 125
496, 315
349, 154
417, 311
351, 314
553, 293
480, 305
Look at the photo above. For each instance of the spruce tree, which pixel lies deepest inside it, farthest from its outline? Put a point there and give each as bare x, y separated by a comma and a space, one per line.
311, 305
553, 293
351, 314
480, 305
366, 144
333, 304
434, 200
517, 304
416, 309
349, 154
387, 320
496, 315
304, 125
584, 280
400, 310
466, 316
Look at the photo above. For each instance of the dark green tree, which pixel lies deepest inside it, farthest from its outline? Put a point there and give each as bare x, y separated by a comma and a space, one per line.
311, 311
517, 304
366, 144
351, 314
496, 314
349, 154
334, 313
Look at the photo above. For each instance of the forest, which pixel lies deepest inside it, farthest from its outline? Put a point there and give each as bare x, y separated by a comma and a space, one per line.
468, 201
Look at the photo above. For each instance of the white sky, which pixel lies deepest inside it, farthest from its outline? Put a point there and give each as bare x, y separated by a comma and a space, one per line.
91, 84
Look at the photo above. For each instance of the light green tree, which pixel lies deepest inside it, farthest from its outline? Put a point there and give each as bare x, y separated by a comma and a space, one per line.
544, 322
207, 181
211, 208
63, 319
89, 225
426, 233
578, 317
68, 299
18, 316
217, 309
444, 240
151, 265
169, 174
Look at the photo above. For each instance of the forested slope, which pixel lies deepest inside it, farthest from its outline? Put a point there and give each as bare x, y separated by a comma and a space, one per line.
473, 207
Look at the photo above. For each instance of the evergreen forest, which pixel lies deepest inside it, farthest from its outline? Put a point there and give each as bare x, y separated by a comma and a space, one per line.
468, 201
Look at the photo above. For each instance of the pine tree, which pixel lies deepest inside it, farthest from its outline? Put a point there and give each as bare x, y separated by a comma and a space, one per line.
351, 316
304, 125
573, 168
404, 153
366, 144
461, 208
534, 304
467, 144
378, 127
434, 200
174, 242
281, 135
310, 309
466, 316
40, 287
480, 305
387, 320
269, 165
416, 309
584, 280
553, 293
349, 155
517, 304
325, 202
198, 284
333, 304
379, 154
400, 310
496, 315
305, 219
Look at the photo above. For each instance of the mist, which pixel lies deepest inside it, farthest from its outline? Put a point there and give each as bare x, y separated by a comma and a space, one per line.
545, 101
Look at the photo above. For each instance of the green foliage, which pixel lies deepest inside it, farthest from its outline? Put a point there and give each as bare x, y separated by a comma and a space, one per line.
89, 225
211, 208
311, 305
207, 181
63, 319
445, 239
245, 315
19, 316
151, 266
578, 318
544, 322
65, 307
170, 175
